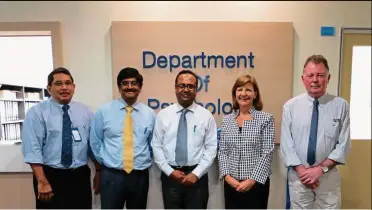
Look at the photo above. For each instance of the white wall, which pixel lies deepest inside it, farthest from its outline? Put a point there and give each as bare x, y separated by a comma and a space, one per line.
86, 42
86, 26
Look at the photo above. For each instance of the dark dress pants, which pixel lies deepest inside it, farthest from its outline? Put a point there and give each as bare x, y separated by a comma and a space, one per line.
255, 198
71, 188
179, 196
118, 188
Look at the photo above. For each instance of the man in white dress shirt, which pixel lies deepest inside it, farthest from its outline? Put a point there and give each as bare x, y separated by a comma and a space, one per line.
315, 137
184, 146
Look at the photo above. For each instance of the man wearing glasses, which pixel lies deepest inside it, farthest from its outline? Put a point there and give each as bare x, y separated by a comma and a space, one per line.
120, 140
185, 145
55, 142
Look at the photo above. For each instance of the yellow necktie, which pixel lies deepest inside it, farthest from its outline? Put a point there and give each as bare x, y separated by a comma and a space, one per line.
128, 153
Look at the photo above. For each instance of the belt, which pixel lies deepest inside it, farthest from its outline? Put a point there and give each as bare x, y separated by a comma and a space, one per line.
184, 168
46, 167
122, 170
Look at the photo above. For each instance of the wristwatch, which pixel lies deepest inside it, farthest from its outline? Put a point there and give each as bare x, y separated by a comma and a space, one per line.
325, 169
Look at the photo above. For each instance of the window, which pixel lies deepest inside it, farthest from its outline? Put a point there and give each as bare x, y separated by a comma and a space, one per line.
25, 64
360, 96
25, 60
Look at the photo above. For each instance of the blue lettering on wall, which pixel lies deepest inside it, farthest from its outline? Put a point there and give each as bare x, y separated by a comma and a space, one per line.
206, 81
151, 102
144, 64
251, 56
186, 62
202, 82
230, 61
162, 62
171, 62
215, 108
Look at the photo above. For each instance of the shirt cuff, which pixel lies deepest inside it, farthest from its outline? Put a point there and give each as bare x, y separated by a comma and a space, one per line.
167, 169
223, 173
338, 156
292, 160
31, 159
260, 179
198, 171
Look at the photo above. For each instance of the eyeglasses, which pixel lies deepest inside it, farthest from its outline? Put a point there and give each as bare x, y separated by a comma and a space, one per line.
189, 86
126, 83
67, 83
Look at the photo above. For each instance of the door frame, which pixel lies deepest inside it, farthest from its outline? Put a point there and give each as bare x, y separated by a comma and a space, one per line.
347, 30
353, 200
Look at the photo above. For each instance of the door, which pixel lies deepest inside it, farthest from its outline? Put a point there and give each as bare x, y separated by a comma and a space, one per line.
355, 87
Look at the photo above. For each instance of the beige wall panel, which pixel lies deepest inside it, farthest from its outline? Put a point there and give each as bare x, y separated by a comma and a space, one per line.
270, 43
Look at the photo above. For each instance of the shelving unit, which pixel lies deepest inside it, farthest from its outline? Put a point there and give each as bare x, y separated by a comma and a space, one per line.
15, 101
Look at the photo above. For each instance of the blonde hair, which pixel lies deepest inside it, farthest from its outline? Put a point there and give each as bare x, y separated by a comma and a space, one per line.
242, 80
317, 59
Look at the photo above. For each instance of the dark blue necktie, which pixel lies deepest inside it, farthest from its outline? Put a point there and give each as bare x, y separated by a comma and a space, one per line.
66, 157
311, 150
181, 145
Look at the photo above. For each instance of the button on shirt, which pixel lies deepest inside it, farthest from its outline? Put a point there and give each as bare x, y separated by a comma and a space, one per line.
42, 134
201, 138
107, 134
333, 137
247, 155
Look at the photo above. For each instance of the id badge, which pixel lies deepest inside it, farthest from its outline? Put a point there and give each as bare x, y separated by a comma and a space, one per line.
76, 135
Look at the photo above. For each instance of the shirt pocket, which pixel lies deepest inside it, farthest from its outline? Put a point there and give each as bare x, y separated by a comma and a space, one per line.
54, 132
198, 131
331, 128
54, 128
142, 133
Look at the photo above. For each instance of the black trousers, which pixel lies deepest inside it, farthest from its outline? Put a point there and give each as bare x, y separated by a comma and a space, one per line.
179, 196
71, 188
256, 198
118, 188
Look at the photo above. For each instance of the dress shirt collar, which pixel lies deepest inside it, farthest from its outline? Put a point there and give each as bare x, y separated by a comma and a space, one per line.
56, 104
123, 104
192, 107
322, 100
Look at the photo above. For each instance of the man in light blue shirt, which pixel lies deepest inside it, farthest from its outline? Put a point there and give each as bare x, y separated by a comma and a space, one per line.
315, 137
120, 140
55, 142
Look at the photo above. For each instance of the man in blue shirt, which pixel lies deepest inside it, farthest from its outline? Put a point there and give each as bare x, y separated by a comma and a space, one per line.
55, 142
315, 138
120, 140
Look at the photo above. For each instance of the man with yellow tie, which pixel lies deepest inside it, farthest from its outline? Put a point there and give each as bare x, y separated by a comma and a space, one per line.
120, 140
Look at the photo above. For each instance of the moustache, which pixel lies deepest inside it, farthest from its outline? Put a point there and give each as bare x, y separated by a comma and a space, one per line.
130, 90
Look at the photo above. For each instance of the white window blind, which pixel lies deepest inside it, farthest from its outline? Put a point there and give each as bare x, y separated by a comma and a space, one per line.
360, 96
25, 60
